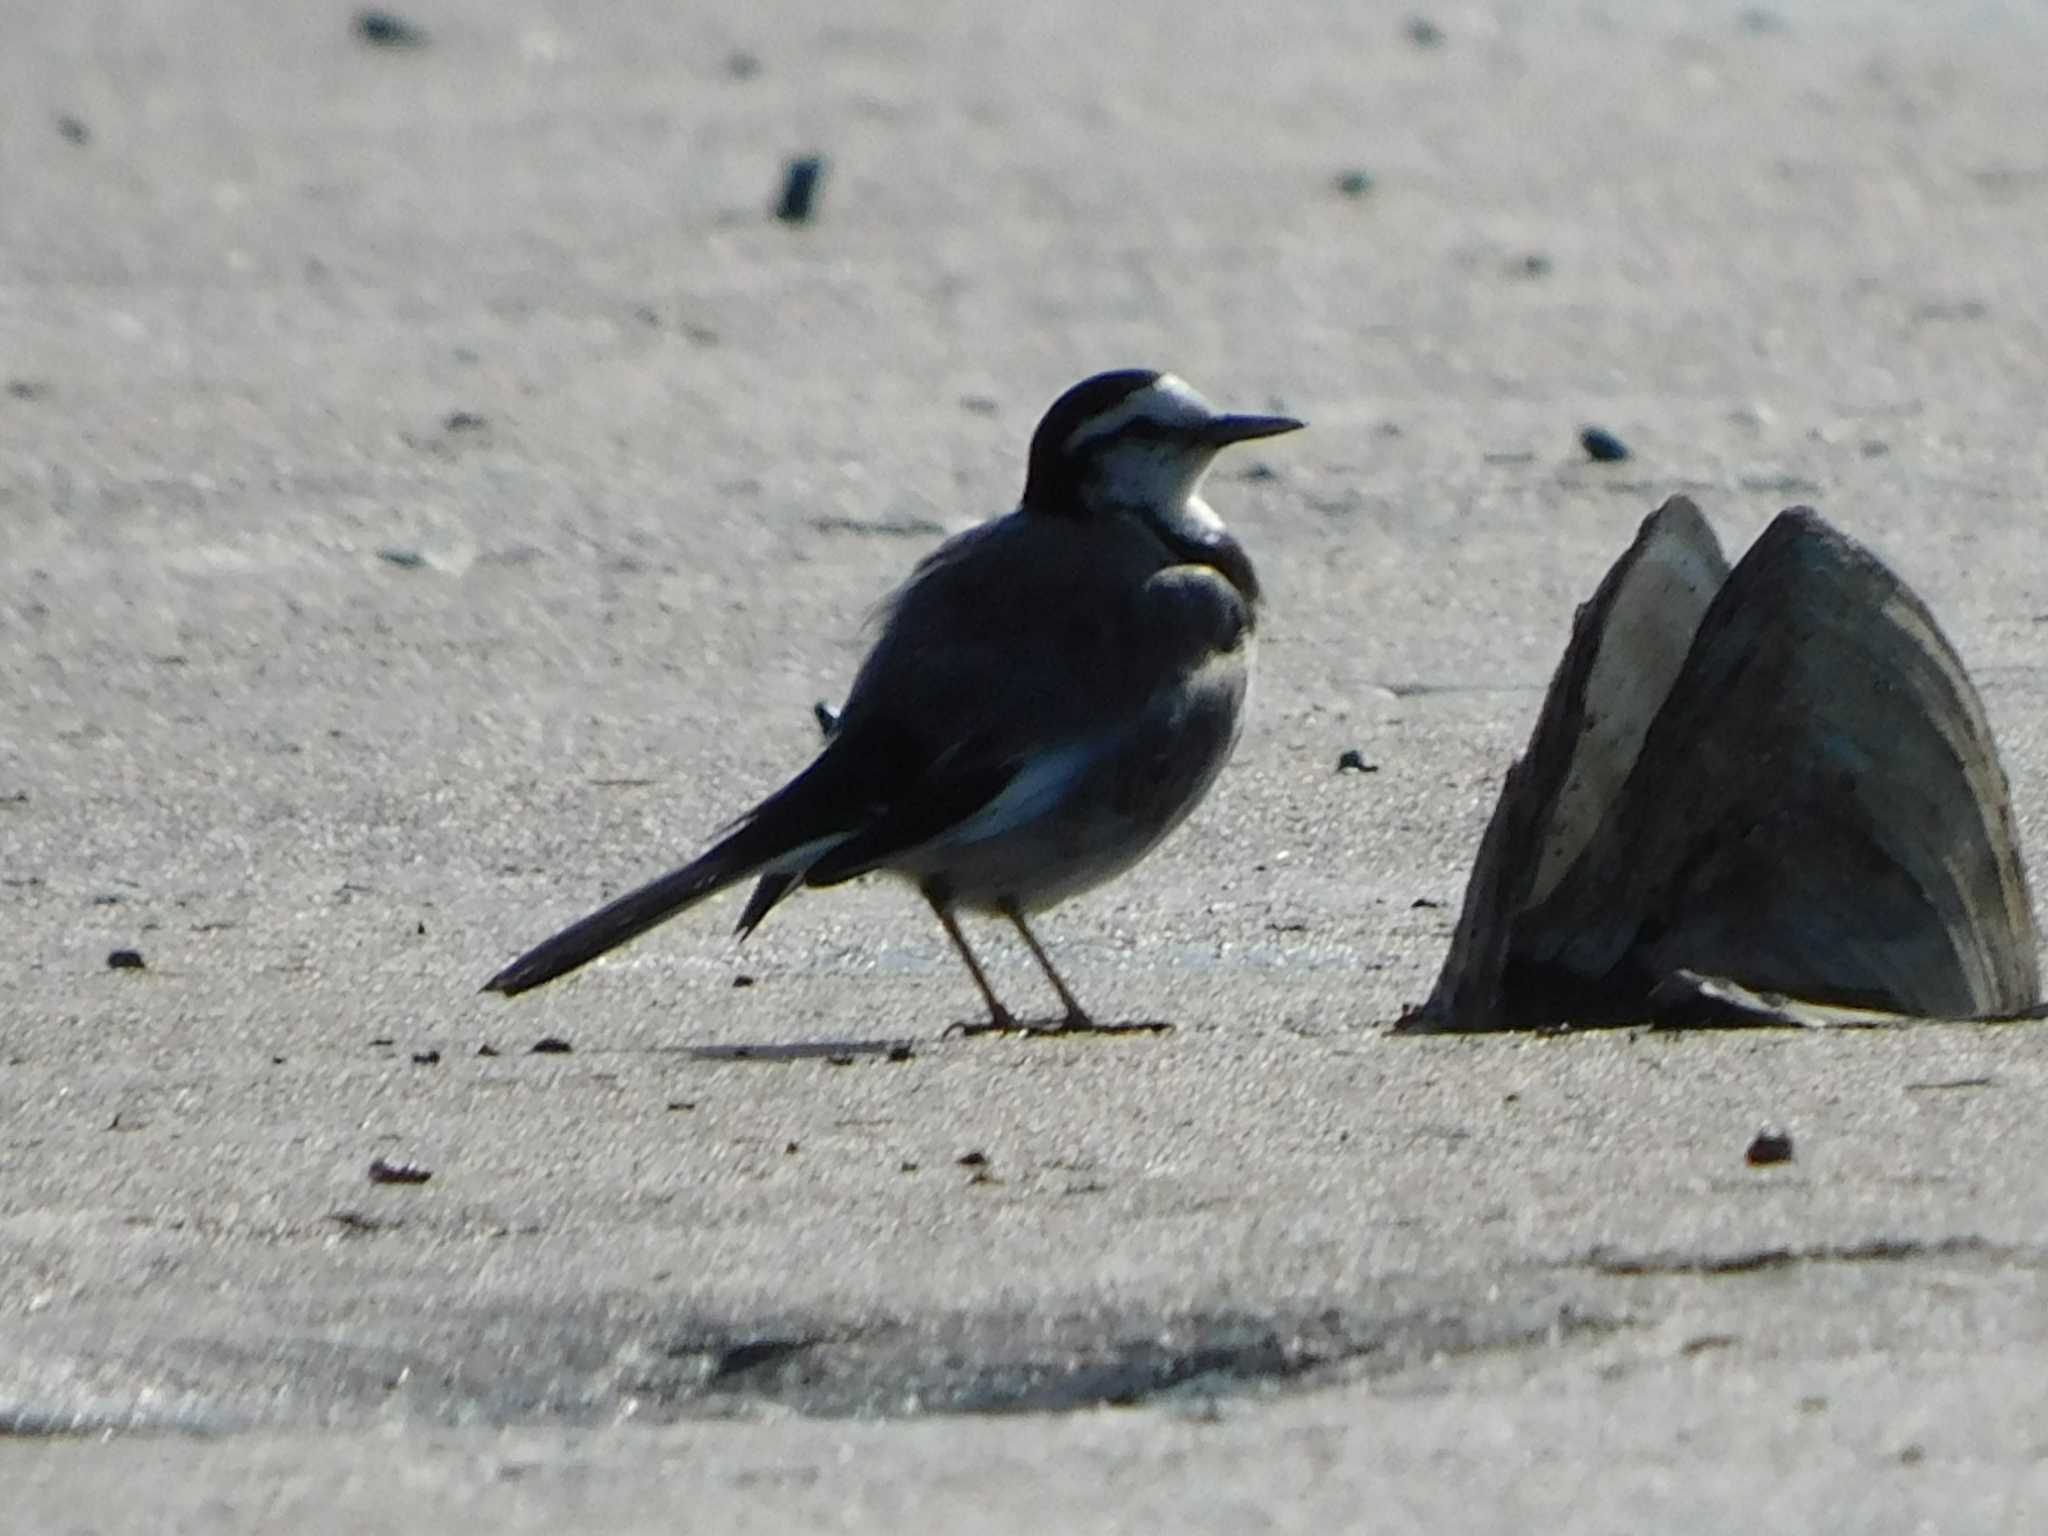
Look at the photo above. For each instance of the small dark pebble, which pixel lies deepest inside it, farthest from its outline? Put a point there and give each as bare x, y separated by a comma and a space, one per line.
906, 1166
972, 1159
124, 960
1422, 903
1700, 1344
1424, 33
801, 178
465, 421
1602, 445
404, 559
27, 389
381, 29
1535, 264
277, 1061
743, 980
74, 130
1259, 469
742, 65
900, 1053
790, 1150
382, 1172
1354, 183
420, 930
681, 1104
426, 1058
20, 797
382, 1040
1769, 1146
105, 898
1353, 761
550, 1045
487, 1049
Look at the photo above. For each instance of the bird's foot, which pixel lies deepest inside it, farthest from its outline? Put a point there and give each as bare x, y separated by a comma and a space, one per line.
999, 1022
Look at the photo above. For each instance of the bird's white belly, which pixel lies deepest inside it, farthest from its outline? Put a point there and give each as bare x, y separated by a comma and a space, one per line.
1087, 811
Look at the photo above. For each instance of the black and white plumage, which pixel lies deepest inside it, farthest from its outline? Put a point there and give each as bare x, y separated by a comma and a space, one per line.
1050, 694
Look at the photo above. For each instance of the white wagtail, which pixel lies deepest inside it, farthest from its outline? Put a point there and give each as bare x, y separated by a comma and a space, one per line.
1051, 693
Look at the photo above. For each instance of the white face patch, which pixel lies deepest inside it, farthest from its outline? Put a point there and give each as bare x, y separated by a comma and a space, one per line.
1157, 478
1158, 472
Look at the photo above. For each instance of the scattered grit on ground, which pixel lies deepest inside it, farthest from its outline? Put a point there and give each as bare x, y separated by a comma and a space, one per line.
441, 464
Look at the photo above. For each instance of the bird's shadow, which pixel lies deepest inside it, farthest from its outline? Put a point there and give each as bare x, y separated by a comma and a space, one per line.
845, 1052
838, 1052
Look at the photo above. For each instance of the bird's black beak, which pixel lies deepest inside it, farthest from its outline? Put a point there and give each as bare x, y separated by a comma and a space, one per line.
1225, 430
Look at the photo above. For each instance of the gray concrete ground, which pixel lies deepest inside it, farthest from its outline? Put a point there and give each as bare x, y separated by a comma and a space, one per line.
433, 492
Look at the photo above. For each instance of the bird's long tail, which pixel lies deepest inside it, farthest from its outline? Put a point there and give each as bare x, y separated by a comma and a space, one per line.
780, 837
610, 926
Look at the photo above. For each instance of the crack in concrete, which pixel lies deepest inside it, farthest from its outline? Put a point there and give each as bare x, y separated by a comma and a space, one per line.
1754, 1260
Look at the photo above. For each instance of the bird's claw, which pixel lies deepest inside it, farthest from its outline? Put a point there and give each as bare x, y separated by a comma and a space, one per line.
1001, 1022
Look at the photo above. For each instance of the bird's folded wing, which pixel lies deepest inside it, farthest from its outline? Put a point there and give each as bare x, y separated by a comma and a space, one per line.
955, 785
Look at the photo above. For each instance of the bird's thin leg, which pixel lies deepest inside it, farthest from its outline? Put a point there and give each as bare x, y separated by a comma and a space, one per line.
1077, 1016
1000, 1019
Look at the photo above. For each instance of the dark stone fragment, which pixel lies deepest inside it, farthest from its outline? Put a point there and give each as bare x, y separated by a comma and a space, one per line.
1767, 1147
381, 29
801, 179
1602, 445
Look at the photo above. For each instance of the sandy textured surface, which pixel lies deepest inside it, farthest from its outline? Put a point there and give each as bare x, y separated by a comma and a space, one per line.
433, 492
